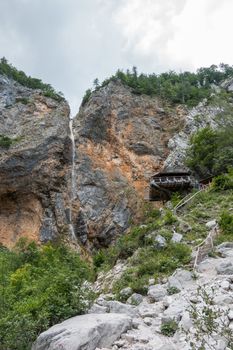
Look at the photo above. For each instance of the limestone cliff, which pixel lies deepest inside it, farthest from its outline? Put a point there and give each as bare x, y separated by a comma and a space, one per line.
35, 151
121, 140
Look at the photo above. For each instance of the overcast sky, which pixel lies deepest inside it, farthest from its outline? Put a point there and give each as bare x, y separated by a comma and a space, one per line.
69, 43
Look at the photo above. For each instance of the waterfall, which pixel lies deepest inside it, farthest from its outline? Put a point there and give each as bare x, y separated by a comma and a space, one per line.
73, 180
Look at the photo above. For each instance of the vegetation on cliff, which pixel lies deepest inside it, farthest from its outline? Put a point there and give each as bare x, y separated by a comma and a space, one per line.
183, 88
39, 287
147, 258
32, 83
211, 151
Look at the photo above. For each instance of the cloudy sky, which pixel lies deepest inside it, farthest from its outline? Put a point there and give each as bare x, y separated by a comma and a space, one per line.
69, 43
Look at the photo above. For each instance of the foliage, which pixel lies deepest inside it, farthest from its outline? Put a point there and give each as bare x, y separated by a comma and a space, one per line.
149, 262
211, 151
223, 182
39, 287
86, 97
169, 328
32, 83
183, 88
23, 100
6, 141
226, 223
210, 323
172, 290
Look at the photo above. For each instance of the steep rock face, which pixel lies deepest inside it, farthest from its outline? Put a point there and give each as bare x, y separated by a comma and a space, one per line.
35, 156
121, 140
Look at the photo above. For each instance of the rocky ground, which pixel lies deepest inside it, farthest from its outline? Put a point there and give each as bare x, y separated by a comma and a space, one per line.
164, 319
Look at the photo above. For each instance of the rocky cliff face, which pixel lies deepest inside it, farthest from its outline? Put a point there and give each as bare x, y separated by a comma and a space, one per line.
35, 156
121, 140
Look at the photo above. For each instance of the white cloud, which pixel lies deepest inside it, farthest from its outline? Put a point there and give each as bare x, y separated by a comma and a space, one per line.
70, 42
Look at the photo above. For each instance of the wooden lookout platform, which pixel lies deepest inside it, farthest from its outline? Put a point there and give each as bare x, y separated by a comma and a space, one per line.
163, 184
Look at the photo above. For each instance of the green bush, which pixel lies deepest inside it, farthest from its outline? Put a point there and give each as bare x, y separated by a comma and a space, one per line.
183, 88
211, 151
39, 287
172, 290
148, 262
7, 142
33, 83
223, 182
169, 328
226, 223
86, 97
169, 218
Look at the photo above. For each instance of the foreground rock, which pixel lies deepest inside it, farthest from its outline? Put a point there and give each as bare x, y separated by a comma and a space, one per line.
84, 332
34, 163
187, 291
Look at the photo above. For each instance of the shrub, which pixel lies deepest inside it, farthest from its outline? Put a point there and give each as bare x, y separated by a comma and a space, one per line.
183, 88
5, 141
86, 97
223, 182
169, 328
209, 323
148, 262
33, 83
40, 287
211, 151
169, 218
226, 223
172, 290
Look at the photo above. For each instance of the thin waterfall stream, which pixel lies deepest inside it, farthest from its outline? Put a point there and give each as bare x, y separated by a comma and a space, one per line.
73, 180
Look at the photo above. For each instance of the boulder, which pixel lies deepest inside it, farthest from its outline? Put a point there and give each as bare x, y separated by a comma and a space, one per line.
120, 308
211, 224
181, 279
135, 299
160, 242
177, 237
84, 332
98, 309
225, 268
175, 310
156, 293
126, 292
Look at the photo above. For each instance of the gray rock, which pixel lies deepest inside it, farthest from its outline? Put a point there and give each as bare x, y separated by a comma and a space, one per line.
230, 315
225, 268
225, 249
156, 293
177, 237
126, 292
181, 279
225, 285
151, 281
98, 309
211, 224
184, 227
84, 332
135, 299
175, 311
223, 299
120, 308
160, 242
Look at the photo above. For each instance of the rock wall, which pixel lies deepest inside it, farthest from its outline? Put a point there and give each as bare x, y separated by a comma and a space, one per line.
121, 140
34, 164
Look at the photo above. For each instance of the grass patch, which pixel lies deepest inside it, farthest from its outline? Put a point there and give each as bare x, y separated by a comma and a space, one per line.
169, 328
7, 142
